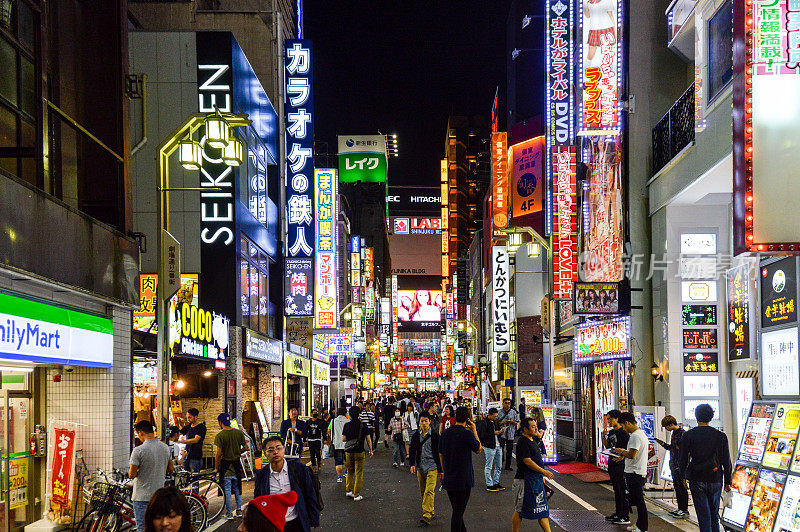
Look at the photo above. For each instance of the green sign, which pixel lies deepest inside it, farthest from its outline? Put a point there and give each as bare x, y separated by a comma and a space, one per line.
362, 158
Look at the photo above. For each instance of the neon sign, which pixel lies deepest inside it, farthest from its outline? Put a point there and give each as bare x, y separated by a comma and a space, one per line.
325, 292
600, 67
565, 237
603, 340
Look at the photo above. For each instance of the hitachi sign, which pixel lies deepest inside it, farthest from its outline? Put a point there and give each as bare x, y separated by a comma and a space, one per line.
426, 199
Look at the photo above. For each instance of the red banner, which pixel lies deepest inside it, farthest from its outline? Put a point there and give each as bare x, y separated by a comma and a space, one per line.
499, 180
62, 466
565, 236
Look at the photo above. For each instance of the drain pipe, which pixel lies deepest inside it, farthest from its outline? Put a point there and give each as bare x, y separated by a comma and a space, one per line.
142, 142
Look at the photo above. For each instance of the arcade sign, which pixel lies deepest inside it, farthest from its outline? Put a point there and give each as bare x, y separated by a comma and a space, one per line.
603, 340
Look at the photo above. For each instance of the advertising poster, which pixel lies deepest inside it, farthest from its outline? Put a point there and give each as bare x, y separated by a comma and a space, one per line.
743, 483
778, 293
603, 402
788, 519
326, 307
779, 363
766, 496
419, 305
599, 298
527, 177
738, 288
756, 432
602, 259
782, 437
600, 65
744, 399
603, 340
362, 158
549, 437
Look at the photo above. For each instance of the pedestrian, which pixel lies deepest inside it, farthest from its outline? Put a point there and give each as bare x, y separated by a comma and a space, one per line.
176, 453
614, 438
149, 464
293, 432
433, 415
388, 414
335, 435
284, 476
315, 429
354, 434
489, 432
168, 511
508, 419
229, 444
448, 418
670, 424
267, 513
397, 429
705, 465
530, 499
411, 418
426, 465
194, 434
456, 446
376, 424
635, 467
367, 416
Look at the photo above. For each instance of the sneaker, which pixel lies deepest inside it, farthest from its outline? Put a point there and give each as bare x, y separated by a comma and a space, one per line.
499, 487
340, 479
612, 517
358, 498
349, 494
634, 528
394, 465
425, 521
238, 513
621, 521
680, 514
491, 488
229, 516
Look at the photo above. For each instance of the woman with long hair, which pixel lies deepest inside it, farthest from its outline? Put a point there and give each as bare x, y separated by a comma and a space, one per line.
168, 511
448, 418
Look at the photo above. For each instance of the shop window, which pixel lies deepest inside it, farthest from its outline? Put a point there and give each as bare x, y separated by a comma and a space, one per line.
720, 50
8, 81
255, 289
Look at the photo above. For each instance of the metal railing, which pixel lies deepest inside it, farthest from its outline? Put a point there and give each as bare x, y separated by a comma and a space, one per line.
674, 131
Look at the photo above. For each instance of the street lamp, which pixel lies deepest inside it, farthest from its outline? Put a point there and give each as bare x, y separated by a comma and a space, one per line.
233, 153
190, 154
217, 130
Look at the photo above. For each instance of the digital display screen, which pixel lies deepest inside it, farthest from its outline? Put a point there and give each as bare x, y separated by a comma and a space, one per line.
419, 310
700, 339
700, 362
699, 315
742, 485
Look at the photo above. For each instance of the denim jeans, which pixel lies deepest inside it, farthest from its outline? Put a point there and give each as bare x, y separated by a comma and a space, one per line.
230, 484
139, 509
494, 458
195, 466
398, 452
706, 497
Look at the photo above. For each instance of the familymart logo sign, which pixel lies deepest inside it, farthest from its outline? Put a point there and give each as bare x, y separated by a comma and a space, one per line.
38, 332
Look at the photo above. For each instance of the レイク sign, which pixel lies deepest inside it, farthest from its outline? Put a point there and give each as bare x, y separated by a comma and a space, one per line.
325, 292
38, 332
565, 238
501, 300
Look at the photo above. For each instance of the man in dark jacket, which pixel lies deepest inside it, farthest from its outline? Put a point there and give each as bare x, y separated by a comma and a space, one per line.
706, 464
282, 476
425, 463
488, 433
674, 447
293, 432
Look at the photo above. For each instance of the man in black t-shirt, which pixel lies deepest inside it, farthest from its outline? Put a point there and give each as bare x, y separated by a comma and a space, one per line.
529, 462
354, 433
194, 434
617, 438
315, 428
456, 446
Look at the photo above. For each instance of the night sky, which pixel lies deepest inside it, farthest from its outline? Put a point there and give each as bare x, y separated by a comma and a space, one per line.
403, 67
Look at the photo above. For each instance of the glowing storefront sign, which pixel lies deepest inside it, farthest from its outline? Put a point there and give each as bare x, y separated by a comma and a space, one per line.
527, 177
499, 180
603, 340
325, 292
565, 238
501, 300
600, 66
197, 333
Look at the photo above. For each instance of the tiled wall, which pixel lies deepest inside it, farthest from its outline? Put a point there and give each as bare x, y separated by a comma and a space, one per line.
100, 399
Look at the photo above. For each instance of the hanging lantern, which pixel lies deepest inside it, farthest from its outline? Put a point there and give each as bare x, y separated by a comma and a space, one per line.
232, 154
217, 131
190, 154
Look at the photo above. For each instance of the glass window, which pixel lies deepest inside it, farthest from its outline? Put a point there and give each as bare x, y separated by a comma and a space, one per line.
253, 293
27, 25
28, 133
28, 87
245, 300
8, 81
8, 127
720, 49
262, 301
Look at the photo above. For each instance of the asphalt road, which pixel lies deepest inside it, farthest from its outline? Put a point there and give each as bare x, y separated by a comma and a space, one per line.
392, 503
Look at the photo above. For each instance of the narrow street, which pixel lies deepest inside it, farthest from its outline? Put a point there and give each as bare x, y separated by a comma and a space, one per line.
392, 503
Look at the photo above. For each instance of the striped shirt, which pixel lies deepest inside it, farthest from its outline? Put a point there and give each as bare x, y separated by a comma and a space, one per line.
367, 417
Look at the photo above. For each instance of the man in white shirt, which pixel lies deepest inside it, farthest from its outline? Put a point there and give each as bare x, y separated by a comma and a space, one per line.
636, 456
335, 435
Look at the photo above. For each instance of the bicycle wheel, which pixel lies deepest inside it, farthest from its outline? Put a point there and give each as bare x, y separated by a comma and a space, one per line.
197, 510
105, 523
211, 492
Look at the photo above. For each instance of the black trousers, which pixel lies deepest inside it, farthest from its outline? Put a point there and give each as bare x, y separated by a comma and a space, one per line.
617, 474
508, 448
681, 493
293, 526
458, 500
315, 449
636, 490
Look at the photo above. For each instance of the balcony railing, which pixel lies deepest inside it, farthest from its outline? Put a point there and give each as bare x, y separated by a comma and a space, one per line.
674, 131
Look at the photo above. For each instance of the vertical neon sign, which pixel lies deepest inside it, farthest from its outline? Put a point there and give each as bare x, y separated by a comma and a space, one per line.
325, 292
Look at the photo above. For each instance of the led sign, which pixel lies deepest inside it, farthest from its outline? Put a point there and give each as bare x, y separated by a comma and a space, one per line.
326, 296
603, 340
600, 66
565, 237
196, 333
501, 300
499, 180
700, 339
699, 314
738, 284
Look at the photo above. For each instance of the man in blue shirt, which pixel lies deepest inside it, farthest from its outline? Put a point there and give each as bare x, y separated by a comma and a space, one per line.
455, 452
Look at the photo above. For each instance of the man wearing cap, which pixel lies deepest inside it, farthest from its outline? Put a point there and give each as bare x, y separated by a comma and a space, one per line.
267, 513
230, 443
282, 476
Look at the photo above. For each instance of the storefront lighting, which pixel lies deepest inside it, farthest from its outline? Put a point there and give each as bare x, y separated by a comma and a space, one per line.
217, 131
534, 249
232, 154
461, 326
179, 385
514, 242
190, 154
655, 371
206, 374
16, 369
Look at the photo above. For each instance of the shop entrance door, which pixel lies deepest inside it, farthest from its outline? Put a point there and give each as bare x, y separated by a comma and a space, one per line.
15, 460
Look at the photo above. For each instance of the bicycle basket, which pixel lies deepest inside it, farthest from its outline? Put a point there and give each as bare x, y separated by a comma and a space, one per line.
107, 498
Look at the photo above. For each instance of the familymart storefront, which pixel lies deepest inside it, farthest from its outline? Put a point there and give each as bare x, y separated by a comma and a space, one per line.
62, 365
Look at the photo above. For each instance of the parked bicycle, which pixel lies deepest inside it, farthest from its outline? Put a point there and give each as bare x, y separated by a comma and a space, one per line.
204, 485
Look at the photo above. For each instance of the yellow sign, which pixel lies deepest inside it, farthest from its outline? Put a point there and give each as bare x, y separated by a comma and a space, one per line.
18, 482
321, 373
532, 397
296, 365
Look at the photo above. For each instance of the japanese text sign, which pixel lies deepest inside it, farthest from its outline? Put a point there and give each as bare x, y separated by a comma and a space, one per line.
602, 340
600, 66
779, 293
565, 237
501, 300
700, 362
325, 291
62, 466
499, 180
527, 177
298, 287
700, 339
299, 149
144, 318
738, 288
779, 363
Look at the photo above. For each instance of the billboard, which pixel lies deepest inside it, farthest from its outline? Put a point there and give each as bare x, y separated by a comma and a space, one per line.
603, 340
499, 180
414, 201
600, 66
527, 178
501, 301
766, 125
325, 279
419, 310
298, 287
738, 288
602, 209
362, 158
601, 298
565, 226
405, 225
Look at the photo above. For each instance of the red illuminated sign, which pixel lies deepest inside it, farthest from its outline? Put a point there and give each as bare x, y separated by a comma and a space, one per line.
565, 237
499, 180
700, 339
600, 65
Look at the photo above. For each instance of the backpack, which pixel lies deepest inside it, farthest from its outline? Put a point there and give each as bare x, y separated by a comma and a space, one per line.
315, 485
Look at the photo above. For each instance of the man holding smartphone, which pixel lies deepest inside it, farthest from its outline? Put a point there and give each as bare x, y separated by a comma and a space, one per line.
456, 446
670, 424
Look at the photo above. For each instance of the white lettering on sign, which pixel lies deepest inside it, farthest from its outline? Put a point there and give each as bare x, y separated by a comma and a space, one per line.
210, 90
501, 300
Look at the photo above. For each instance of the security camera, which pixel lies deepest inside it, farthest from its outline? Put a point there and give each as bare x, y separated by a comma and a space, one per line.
69, 369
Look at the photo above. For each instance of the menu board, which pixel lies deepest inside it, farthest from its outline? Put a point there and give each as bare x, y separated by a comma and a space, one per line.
743, 484
782, 437
549, 436
766, 496
788, 519
756, 432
